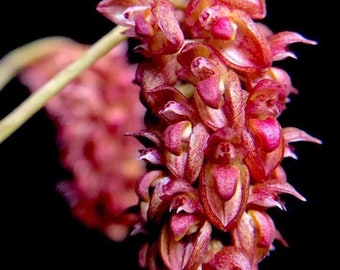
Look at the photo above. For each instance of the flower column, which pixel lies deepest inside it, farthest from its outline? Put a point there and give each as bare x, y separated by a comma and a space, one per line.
213, 145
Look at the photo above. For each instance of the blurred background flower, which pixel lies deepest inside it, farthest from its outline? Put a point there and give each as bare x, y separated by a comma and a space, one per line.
91, 116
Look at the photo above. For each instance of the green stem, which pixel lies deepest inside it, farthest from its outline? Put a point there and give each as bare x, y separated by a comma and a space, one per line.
37, 100
19, 58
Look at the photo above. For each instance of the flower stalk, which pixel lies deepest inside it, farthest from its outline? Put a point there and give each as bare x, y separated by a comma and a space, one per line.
38, 99
17, 59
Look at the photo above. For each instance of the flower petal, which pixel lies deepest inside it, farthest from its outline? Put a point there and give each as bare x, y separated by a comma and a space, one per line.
224, 214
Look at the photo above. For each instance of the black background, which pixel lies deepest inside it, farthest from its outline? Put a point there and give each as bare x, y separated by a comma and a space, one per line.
36, 228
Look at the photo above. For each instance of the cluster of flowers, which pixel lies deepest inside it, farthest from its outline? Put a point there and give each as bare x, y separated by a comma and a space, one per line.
212, 142
91, 115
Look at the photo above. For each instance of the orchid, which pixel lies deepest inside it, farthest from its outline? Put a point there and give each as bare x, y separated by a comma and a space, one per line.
211, 92
213, 141
91, 115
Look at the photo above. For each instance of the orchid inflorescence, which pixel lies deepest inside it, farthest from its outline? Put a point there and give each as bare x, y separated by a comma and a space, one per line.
91, 114
207, 121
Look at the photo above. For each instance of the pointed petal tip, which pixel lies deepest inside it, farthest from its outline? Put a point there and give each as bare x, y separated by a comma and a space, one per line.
303, 199
318, 141
311, 42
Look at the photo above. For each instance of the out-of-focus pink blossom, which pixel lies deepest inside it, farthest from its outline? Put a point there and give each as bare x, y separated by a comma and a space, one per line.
91, 116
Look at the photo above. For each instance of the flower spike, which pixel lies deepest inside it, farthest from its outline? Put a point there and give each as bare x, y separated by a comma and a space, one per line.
214, 103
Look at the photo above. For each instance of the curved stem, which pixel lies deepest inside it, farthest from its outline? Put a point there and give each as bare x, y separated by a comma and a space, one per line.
37, 100
19, 58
